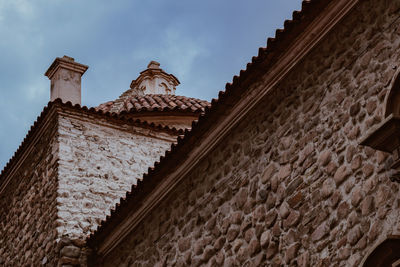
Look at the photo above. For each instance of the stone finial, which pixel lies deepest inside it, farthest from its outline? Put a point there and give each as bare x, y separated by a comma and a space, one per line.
65, 76
154, 80
153, 65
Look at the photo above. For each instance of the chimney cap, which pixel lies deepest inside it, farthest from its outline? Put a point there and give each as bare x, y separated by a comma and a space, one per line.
67, 63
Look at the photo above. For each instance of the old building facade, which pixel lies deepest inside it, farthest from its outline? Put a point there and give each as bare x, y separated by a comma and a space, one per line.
76, 163
294, 165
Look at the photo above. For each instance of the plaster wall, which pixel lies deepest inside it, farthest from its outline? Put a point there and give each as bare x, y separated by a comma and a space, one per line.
290, 185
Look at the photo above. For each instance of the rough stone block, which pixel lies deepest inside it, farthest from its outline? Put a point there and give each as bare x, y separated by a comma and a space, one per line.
354, 235
284, 210
70, 251
343, 210
327, 188
367, 205
320, 232
324, 157
270, 217
265, 238
291, 252
356, 196
254, 247
272, 250
232, 233
268, 173
293, 185
341, 174
184, 244
284, 171
292, 220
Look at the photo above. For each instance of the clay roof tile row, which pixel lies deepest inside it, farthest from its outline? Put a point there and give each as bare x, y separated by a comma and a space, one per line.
154, 102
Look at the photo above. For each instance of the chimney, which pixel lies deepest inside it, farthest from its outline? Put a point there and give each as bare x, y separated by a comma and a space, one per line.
65, 77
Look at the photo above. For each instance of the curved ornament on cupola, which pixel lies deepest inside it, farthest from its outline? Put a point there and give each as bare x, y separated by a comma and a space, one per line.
154, 80
386, 135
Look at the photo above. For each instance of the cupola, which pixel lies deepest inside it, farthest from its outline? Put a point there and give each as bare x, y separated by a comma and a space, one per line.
154, 80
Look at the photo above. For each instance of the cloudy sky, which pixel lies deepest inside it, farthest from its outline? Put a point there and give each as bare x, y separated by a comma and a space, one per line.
203, 43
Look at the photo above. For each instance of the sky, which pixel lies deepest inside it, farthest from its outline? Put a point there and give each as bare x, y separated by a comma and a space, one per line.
203, 43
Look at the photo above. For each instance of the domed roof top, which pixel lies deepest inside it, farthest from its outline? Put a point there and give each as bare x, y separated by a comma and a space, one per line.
154, 90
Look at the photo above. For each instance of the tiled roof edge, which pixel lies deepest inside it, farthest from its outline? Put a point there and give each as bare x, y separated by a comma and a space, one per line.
156, 109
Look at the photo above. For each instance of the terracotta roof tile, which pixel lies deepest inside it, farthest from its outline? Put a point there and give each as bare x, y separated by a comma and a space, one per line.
157, 103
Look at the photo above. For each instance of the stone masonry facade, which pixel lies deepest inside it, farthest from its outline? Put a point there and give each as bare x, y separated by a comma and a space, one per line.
79, 168
28, 211
291, 185
99, 162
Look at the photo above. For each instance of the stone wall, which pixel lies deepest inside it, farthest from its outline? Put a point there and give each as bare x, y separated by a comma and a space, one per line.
291, 185
99, 162
28, 207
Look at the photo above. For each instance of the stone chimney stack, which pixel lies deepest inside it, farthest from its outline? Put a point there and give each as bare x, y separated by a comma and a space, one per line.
65, 76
